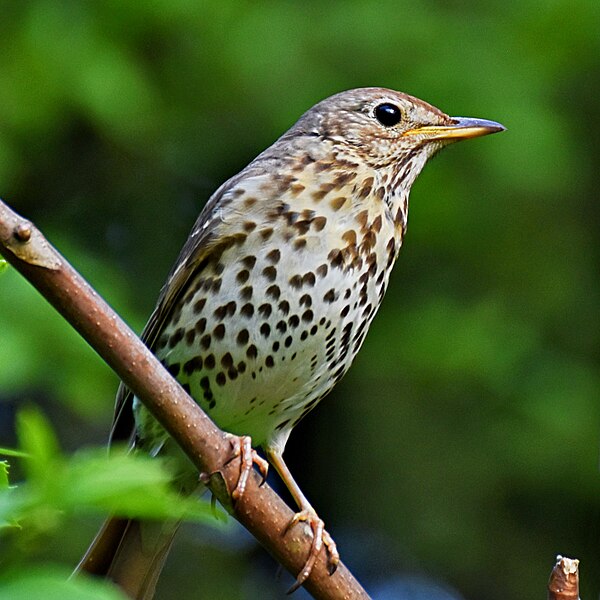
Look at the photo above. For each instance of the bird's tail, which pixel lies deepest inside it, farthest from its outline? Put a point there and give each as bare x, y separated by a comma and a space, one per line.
131, 553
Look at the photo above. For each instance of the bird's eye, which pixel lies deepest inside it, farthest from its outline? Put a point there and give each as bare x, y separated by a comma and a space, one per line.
388, 114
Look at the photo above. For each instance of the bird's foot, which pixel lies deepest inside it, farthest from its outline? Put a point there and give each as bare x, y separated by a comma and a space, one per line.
242, 447
320, 538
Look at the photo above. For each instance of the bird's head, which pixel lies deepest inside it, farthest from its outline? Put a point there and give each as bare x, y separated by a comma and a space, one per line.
383, 127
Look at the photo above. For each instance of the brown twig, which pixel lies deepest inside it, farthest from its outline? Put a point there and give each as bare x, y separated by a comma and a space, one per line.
260, 510
564, 579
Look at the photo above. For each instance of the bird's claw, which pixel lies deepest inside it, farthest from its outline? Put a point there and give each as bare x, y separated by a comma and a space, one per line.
320, 538
242, 447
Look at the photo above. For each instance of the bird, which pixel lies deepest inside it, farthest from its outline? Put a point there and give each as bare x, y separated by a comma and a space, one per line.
273, 293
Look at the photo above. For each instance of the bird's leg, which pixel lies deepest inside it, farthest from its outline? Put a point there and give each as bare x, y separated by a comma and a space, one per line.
309, 516
242, 447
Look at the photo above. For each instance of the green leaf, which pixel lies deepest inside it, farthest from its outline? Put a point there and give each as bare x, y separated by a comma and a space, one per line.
3, 266
37, 440
4, 466
127, 484
5, 491
55, 584
12, 452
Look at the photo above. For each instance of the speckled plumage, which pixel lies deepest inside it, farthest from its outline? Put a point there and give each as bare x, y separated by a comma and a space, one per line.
287, 265
275, 289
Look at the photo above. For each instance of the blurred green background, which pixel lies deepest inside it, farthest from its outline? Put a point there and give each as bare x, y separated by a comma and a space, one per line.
460, 454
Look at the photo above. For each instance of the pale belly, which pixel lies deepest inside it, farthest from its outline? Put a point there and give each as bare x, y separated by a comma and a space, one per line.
261, 337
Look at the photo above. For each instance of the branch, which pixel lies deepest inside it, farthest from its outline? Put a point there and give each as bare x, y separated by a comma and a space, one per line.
260, 510
564, 579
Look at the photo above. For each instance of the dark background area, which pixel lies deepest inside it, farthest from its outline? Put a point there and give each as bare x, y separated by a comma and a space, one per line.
461, 451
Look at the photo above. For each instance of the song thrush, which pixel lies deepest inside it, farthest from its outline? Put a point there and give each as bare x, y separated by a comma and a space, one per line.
275, 288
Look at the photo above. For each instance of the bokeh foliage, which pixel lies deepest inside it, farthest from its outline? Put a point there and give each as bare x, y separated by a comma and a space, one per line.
464, 440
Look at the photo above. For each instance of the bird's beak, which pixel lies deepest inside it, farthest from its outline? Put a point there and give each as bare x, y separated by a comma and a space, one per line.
460, 128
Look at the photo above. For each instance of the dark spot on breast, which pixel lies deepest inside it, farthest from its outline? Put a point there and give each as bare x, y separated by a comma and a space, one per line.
274, 256
190, 336
243, 276
176, 337
345, 310
210, 362
319, 223
296, 281
362, 218
242, 337
305, 300
281, 326
249, 226
284, 307
376, 224
220, 312
246, 292
299, 243
200, 326
205, 341
307, 316
249, 261
265, 310
247, 310
227, 360
338, 202
266, 233
270, 273
322, 270
265, 329
198, 306
219, 331
274, 292
288, 341
302, 226
251, 352
174, 369
329, 296
269, 361
336, 258
309, 279
349, 236
296, 188
342, 179
221, 379
294, 321
304, 335
193, 365
366, 187
372, 269
205, 383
